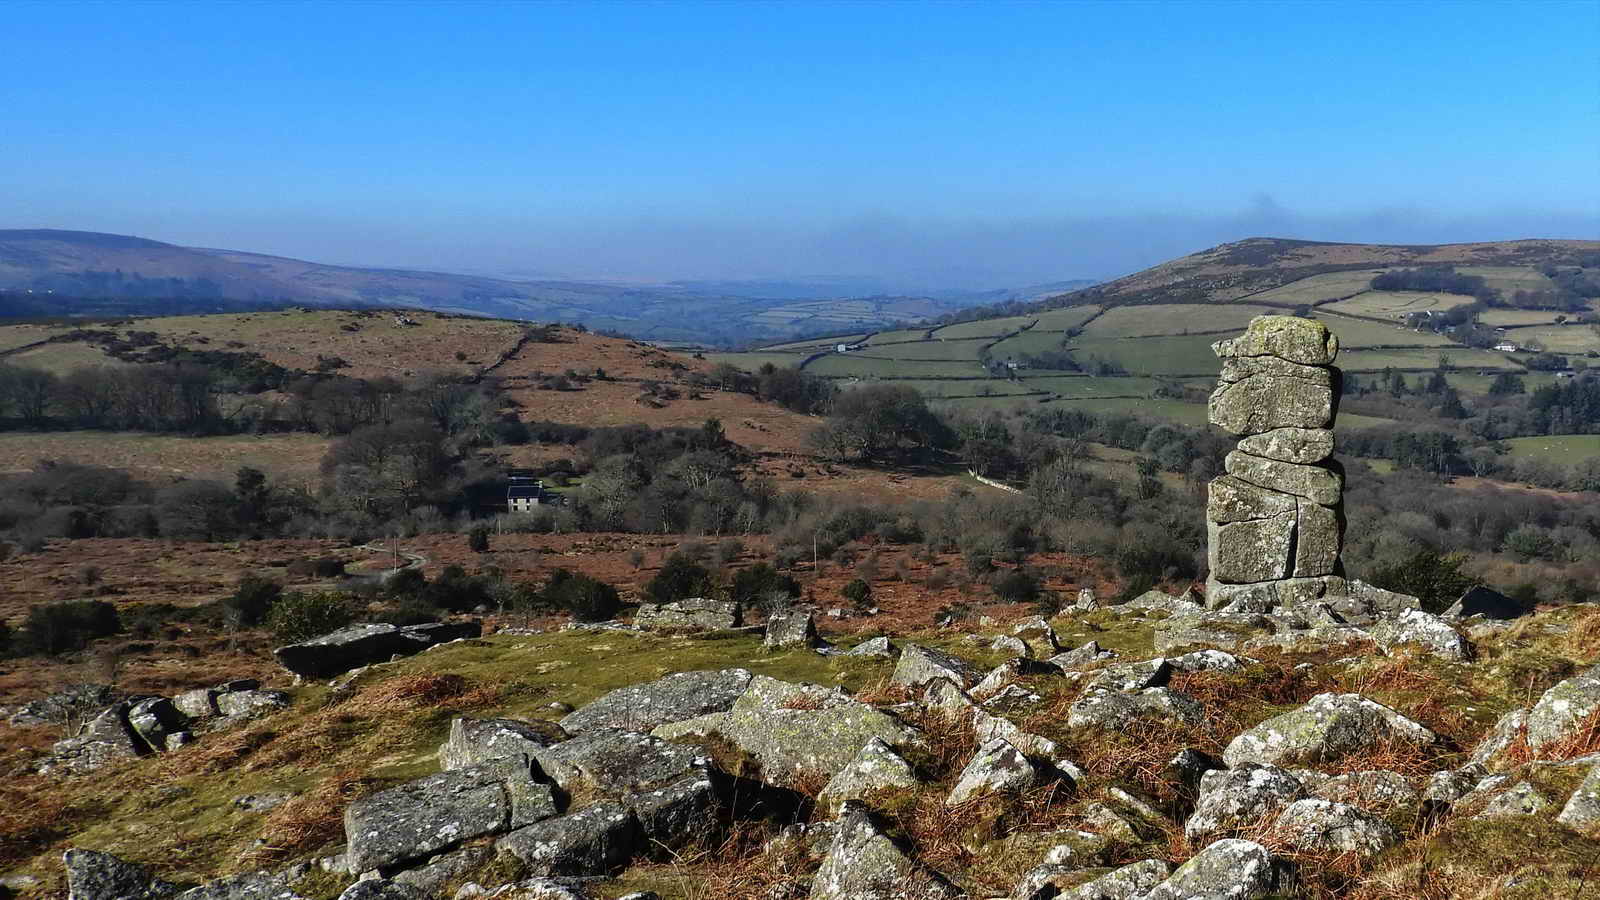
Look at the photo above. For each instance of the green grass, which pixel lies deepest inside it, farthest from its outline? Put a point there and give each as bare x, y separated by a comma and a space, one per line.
1319, 287
1393, 304
1174, 319
924, 350
1558, 338
753, 361
1063, 319
1029, 342
932, 388
1425, 358
1174, 355
1169, 410
1510, 279
1565, 449
815, 343
1091, 386
889, 337
1499, 317
984, 327
851, 364
62, 359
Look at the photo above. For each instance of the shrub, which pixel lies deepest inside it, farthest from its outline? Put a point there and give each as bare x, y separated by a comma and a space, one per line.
1017, 586
54, 628
455, 591
979, 561
251, 601
406, 581
859, 593
478, 539
728, 550
679, 577
300, 616
411, 611
1433, 578
937, 580
588, 599
759, 581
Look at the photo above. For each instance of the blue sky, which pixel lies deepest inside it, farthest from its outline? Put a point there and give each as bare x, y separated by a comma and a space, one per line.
922, 143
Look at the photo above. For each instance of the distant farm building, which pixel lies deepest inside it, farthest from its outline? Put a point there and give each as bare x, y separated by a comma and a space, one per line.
1507, 347
846, 348
524, 492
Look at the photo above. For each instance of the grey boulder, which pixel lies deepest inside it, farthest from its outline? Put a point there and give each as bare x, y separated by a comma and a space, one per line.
361, 645
1230, 868
1234, 798
1326, 728
691, 614
875, 768
641, 707
863, 863
92, 875
1417, 628
474, 741
1563, 709
997, 768
596, 840
795, 628
1325, 826
919, 665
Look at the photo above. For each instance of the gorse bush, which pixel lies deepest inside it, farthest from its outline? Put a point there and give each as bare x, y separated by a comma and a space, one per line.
55, 628
588, 599
680, 577
250, 602
859, 593
759, 582
299, 616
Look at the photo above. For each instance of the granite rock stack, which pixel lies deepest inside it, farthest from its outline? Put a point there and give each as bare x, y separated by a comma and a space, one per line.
1274, 521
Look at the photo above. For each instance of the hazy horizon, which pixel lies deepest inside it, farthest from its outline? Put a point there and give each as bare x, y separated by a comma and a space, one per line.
947, 146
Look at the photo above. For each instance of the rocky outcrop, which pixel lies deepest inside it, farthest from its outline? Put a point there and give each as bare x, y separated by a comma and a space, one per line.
1323, 826
1432, 634
361, 645
596, 840
1235, 798
997, 768
1563, 709
795, 628
919, 665
863, 863
691, 614
875, 768
475, 741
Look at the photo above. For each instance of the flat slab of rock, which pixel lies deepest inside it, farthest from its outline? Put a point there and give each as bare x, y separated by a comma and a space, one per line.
675, 698
1304, 341
613, 763
1328, 727
1315, 483
1263, 394
791, 629
691, 614
474, 741
361, 645
596, 840
422, 817
1291, 444
1563, 709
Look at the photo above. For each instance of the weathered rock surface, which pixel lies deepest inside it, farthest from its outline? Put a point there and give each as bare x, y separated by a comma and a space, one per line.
875, 768
252, 886
1231, 868
1371, 790
677, 814
642, 707
1564, 708
919, 665
361, 645
1114, 709
997, 768
691, 614
104, 739
1303, 446
612, 763
1379, 601
1582, 811
1262, 394
1132, 676
1326, 728
75, 702
797, 729
1304, 341
250, 703
795, 628
1315, 483
474, 741
1270, 595
1206, 628
382, 889
1521, 799
595, 840
1250, 551
1081, 656
1127, 883
1234, 798
863, 863
92, 875
1325, 826
425, 816
1425, 630
878, 647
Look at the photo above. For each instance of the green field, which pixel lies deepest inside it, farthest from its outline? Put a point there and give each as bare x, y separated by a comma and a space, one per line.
1424, 358
895, 337
983, 387
815, 344
1319, 287
984, 328
1510, 279
1174, 319
1063, 319
1171, 355
1031, 342
850, 364
61, 359
925, 350
1088, 386
1499, 317
1558, 338
753, 361
1565, 449
1358, 333
1394, 304
1170, 410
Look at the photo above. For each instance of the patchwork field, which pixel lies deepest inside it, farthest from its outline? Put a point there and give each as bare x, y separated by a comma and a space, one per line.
1425, 358
1515, 317
1319, 287
1173, 318
1358, 333
62, 359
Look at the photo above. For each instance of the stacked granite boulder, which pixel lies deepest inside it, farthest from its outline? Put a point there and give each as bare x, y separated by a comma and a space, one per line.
1274, 521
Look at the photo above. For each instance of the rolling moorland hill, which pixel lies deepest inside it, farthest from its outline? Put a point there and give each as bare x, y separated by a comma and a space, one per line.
54, 273
1142, 343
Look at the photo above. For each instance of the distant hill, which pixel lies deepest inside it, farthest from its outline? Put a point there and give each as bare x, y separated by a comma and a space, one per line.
1232, 272
49, 272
